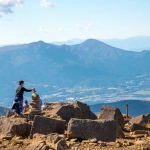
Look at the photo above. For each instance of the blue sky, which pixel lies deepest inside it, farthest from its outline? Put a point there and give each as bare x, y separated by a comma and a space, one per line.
24, 21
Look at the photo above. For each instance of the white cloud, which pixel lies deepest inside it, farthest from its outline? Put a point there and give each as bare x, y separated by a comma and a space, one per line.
79, 27
6, 6
45, 3
60, 29
88, 27
42, 30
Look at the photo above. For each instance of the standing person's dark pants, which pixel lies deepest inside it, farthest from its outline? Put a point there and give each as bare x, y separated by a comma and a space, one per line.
20, 101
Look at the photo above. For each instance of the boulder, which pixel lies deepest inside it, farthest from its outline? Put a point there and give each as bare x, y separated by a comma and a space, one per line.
112, 113
104, 130
44, 125
67, 111
135, 127
14, 127
82, 111
141, 120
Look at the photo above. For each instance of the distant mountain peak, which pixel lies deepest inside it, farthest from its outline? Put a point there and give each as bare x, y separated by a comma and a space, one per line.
40, 42
97, 43
91, 40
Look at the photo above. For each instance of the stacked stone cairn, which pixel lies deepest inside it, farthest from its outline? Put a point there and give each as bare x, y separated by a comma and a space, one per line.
35, 104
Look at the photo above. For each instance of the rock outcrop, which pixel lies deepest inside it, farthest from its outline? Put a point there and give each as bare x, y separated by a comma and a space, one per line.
112, 113
44, 125
85, 128
67, 111
140, 120
49, 133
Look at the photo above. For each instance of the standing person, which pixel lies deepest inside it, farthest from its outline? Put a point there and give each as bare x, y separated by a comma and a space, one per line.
19, 93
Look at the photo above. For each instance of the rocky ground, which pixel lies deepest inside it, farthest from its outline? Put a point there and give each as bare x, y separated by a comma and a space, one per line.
74, 127
17, 143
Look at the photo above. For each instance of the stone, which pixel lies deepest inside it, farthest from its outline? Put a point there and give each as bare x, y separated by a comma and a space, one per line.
140, 120
140, 132
135, 127
7, 137
56, 142
74, 140
20, 142
119, 132
111, 144
82, 111
66, 112
94, 140
14, 127
39, 137
38, 146
139, 142
101, 143
52, 139
10, 114
61, 145
112, 113
118, 144
104, 130
137, 136
46, 147
44, 125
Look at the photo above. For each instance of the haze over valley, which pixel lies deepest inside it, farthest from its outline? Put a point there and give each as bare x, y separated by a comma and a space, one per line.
92, 72
95, 52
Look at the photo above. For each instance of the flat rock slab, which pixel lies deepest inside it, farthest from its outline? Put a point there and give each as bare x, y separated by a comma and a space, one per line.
38, 146
44, 125
135, 127
14, 127
104, 130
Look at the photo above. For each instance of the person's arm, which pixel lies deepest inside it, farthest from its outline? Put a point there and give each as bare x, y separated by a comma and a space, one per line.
27, 90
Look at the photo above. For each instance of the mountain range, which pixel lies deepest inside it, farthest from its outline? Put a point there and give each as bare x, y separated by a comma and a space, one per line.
89, 64
135, 43
135, 107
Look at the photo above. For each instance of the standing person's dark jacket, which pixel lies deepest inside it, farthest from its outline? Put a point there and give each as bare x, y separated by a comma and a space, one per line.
20, 90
